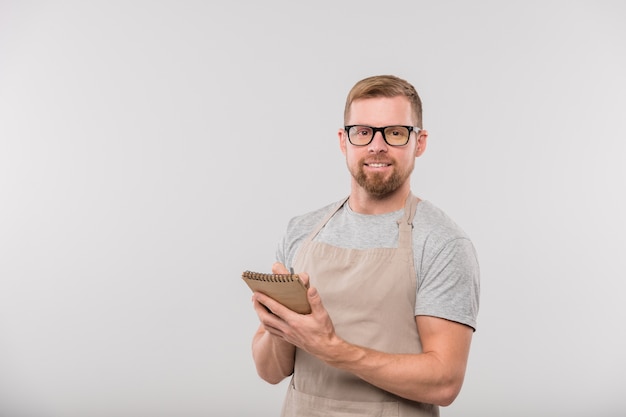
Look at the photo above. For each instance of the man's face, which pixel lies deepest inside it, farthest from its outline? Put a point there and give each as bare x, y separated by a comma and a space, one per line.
379, 168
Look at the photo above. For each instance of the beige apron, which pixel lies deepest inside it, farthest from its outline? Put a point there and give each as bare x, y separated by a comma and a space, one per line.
370, 296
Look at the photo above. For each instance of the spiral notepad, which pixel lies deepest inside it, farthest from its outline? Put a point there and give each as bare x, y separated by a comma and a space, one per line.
287, 289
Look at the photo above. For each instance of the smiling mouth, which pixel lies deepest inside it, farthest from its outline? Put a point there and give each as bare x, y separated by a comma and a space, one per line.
378, 165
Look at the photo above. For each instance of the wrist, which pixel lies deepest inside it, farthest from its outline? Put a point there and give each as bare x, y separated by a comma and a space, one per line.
339, 353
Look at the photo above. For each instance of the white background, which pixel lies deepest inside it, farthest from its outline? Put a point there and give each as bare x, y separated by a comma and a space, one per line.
150, 151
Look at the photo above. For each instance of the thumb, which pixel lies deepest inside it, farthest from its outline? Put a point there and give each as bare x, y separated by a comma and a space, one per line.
279, 268
315, 301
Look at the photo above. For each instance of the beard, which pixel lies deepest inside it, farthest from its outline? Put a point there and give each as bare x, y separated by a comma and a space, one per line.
380, 185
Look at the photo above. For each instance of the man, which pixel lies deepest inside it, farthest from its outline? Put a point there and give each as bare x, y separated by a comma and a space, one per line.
394, 282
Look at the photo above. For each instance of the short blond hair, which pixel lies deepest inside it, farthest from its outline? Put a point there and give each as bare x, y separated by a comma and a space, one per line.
385, 86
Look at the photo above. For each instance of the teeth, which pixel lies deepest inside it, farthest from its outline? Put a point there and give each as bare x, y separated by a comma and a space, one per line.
378, 165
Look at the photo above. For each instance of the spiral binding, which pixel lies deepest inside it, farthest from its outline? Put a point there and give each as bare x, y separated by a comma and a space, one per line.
258, 276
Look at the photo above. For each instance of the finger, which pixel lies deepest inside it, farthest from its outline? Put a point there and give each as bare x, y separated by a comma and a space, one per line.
279, 268
274, 306
305, 278
274, 331
261, 309
270, 321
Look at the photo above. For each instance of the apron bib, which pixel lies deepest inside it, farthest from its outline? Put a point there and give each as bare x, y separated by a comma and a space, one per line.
370, 296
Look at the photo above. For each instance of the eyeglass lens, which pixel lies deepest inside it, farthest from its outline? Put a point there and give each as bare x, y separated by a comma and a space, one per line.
393, 135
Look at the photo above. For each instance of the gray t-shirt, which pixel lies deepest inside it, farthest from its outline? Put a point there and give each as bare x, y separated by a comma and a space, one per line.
448, 275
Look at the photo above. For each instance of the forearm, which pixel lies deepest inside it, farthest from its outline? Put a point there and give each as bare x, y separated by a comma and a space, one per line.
274, 358
419, 377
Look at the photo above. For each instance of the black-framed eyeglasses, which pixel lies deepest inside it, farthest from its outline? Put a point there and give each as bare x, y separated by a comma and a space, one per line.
360, 135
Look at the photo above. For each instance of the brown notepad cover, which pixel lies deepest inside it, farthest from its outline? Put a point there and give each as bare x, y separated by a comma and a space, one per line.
287, 289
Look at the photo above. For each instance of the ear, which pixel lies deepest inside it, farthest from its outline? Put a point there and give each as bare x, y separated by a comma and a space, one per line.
422, 141
343, 137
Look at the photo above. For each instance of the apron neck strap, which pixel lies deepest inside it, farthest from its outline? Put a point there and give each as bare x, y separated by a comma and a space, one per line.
406, 222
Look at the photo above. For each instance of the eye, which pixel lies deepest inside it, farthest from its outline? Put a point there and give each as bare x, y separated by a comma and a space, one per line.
363, 130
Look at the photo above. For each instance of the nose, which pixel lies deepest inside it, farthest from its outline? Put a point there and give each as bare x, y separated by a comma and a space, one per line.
378, 143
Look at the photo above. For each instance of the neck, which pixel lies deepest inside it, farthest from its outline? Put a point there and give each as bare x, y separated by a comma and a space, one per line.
364, 203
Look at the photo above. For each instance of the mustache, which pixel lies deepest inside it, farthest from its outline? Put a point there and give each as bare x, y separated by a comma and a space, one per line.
378, 160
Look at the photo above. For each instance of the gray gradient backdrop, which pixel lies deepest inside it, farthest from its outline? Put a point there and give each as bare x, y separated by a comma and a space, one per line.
150, 151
